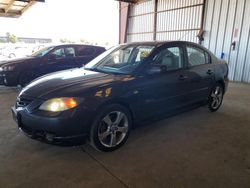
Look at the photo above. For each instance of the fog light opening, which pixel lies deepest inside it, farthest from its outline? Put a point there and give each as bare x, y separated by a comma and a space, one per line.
49, 137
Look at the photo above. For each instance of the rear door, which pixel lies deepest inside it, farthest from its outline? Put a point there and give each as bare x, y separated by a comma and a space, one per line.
201, 72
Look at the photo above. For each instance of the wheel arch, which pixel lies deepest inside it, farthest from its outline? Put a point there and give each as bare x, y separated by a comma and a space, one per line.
221, 81
119, 102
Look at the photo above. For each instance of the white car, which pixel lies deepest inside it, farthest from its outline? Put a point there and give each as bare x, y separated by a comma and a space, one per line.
17, 51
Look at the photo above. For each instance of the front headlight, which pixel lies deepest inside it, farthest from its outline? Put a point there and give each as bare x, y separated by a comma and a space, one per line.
60, 104
1, 69
8, 68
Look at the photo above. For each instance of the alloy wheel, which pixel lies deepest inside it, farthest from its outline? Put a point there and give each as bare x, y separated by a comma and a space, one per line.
216, 97
113, 129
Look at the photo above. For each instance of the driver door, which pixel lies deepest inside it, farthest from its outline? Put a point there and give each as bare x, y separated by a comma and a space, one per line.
165, 90
61, 58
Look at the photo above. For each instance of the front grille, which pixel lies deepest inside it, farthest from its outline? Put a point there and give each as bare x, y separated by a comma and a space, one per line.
23, 102
29, 103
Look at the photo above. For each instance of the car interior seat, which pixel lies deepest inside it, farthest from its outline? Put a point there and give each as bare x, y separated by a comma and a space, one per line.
170, 61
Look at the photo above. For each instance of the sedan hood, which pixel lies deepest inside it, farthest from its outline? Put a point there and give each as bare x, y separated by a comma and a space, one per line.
64, 83
15, 61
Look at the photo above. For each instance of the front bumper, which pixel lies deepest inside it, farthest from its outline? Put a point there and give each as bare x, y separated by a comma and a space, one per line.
71, 126
9, 78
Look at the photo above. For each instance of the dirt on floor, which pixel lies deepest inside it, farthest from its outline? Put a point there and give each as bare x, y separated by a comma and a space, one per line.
193, 149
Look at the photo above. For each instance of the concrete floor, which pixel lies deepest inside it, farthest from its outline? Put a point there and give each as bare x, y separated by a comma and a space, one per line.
193, 149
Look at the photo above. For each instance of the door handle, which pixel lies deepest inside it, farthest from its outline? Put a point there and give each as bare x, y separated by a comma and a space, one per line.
209, 72
183, 77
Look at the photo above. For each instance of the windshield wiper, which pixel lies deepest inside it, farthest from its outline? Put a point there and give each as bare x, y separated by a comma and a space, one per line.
95, 69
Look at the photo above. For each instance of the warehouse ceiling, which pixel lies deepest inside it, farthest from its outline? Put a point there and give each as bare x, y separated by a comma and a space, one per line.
15, 8
129, 1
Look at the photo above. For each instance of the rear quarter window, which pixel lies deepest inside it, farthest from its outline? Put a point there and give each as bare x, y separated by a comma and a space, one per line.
85, 51
197, 56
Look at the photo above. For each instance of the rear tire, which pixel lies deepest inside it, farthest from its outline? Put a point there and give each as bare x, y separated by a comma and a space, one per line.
215, 97
111, 128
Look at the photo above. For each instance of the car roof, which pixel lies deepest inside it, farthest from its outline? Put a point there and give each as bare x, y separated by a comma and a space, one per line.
66, 45
159, 42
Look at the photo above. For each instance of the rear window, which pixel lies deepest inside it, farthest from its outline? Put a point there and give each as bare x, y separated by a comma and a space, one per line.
85, 51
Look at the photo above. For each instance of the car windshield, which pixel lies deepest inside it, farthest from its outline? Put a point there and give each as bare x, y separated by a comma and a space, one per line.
120, 59
42, 52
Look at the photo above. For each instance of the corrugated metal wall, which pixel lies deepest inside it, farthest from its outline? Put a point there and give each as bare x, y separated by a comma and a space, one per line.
228, 21
179, 19
225, 22
141, 22
176, 19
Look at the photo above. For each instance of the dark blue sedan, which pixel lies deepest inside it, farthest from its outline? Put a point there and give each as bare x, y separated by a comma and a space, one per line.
126, 84
50, 59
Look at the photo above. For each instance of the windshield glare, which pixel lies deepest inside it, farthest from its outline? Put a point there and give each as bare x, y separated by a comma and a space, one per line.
121, 59
42, 52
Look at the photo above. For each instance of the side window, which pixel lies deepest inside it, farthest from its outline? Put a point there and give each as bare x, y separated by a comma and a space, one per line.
69, 52
122, 56
196, 56
126, 59
90, 51
143, 53
170, 58
85, 51
58, 53
133, 55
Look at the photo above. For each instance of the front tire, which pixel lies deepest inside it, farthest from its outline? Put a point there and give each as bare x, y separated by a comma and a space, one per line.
111, 128
215, 98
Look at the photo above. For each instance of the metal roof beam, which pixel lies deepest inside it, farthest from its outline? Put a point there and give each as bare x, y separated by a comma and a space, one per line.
128, 1
28, 6
8, 7
12, 15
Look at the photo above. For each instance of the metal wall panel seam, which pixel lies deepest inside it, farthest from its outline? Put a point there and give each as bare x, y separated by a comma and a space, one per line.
229, 55
234, 56
210, 32
208, 22
237, 62
245, 59
228, 3
229, 29
215, 26
219, 20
